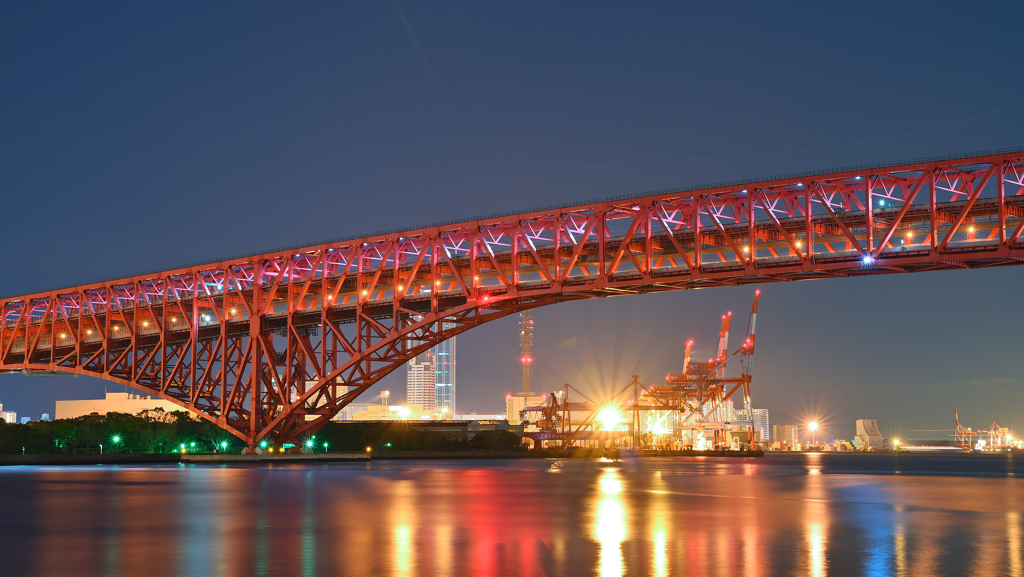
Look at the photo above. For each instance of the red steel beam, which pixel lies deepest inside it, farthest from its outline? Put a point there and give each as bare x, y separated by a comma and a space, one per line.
271, 346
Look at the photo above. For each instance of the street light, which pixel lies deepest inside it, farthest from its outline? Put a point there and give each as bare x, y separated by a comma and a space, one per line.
812, 427
384, 401
895, 444
224, 446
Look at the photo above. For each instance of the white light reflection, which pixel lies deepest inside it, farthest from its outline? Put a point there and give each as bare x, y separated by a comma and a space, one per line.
610, 524
816, 514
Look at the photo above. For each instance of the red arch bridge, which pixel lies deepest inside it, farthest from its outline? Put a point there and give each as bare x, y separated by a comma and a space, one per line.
271, 346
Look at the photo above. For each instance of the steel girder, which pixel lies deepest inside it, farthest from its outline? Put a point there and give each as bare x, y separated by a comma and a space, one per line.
273, 345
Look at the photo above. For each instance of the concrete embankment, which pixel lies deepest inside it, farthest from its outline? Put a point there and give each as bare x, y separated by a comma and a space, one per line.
108, 459
223, 458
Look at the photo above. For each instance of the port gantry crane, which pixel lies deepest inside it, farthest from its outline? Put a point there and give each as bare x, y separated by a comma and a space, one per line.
692, 399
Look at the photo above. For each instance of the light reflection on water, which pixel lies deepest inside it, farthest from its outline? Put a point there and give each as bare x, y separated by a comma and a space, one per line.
660, 517
610, 523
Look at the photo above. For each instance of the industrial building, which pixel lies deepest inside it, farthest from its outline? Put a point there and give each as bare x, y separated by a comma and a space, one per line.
868, 437
114, 403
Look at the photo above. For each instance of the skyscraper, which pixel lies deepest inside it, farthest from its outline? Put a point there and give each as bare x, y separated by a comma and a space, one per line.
444, 369
421, 376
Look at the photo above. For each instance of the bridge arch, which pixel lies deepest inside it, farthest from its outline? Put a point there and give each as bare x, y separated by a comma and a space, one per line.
272, 345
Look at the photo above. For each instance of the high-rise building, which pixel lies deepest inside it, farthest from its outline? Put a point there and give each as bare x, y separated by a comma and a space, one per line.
758, 420
420, 381
786, 434
444, 370
723, 413
8, 416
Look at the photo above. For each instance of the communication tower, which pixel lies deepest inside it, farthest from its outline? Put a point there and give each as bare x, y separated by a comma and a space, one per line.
526, 346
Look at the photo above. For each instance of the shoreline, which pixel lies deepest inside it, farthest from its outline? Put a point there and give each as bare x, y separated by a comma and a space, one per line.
355, 457
339, 457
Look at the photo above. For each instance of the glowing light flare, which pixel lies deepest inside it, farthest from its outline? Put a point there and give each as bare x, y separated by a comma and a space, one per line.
610, 418
812, 426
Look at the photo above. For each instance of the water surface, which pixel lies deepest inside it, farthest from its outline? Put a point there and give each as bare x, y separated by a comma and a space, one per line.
792, 515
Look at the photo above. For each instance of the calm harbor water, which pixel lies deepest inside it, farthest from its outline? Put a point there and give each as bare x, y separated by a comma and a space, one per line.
778, 515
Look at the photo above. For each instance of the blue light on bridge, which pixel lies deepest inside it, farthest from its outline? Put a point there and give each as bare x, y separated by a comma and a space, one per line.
867, 259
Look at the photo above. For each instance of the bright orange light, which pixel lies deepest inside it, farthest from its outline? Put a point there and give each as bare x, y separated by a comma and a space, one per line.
812, 426
970, 229
399, 287
609, 418
364, 293
62, 335
746, 249
145, 323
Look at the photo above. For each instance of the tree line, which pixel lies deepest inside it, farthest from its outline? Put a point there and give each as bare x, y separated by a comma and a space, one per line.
159, 431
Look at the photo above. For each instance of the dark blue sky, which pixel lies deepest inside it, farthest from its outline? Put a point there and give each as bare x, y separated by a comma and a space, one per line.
137, 136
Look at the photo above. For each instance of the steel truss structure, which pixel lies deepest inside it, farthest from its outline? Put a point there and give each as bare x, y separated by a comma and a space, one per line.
271, 346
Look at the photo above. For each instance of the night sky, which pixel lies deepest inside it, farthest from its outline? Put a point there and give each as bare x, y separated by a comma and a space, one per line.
135, 137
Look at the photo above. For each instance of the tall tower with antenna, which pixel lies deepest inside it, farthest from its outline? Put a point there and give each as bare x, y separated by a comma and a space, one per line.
526, 347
